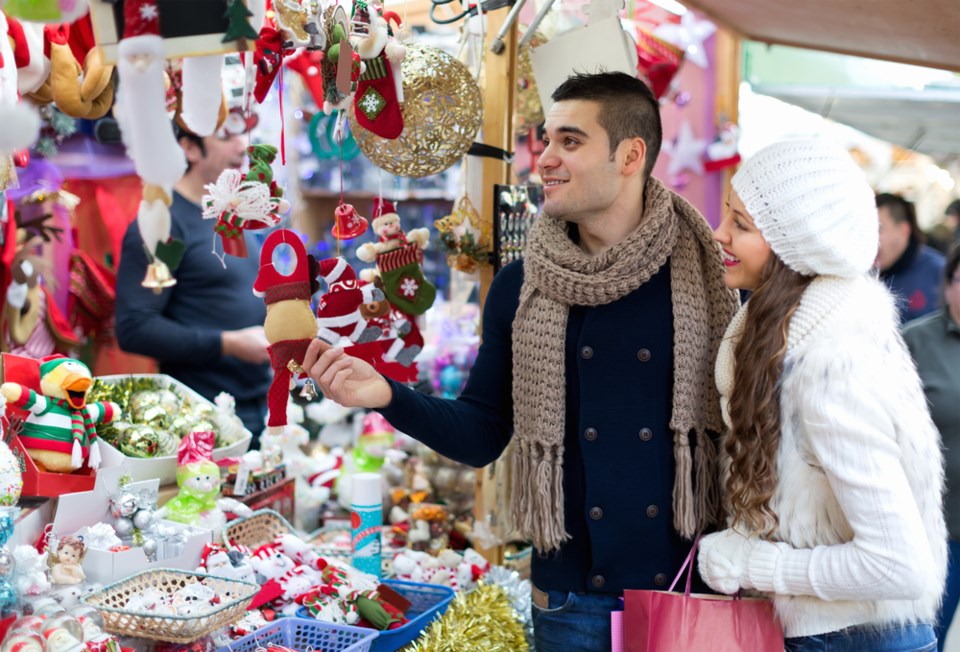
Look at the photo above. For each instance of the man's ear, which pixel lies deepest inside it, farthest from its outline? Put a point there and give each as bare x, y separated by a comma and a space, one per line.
636, 155
191, 150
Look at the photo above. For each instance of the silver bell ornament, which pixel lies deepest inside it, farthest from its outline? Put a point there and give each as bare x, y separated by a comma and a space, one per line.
123, 527
150, 549
124, 506
143, 519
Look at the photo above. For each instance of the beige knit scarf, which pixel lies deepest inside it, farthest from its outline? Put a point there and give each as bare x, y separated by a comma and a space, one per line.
557, 275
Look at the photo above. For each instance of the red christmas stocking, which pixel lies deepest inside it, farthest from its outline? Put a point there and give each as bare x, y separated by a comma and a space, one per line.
375, 101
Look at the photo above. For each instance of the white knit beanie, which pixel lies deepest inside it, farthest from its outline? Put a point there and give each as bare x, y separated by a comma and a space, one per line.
813, 206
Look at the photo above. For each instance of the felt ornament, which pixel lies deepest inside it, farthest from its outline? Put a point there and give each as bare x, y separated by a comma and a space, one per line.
46, 11
239, 202
27, 41
400, 330
32, 323
165, 252
198, 500
268, 55
379, 89
80, 83
290, 325
399, 257
339, 320
341, 67
307, 64
239, 27
657, 61
21, 123
201, 93
291, 19
60, 431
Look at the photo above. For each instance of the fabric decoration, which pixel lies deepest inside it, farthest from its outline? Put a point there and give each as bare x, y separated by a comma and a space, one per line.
339, 320
290, 325
201, 92
80, 83
60, 431
657, 61
21, 123
558, 275
379, 91
239, 27
341, 66
268, 54
813, 205
239, 202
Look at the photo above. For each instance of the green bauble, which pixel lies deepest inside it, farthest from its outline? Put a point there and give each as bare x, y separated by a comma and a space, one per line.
168, 443
142, 400
182, 424
139, 440
153, 415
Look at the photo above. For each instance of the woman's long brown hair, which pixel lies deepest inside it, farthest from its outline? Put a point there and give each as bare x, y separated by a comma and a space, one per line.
755, 403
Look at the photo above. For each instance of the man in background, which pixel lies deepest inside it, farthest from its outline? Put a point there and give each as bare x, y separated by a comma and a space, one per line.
207, 330
911, 269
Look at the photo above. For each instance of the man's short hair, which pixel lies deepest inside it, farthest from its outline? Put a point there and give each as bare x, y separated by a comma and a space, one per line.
628, 109
180, 133
900, 211
953, 208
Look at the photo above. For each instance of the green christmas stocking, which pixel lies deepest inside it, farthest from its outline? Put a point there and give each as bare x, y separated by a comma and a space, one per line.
403, 280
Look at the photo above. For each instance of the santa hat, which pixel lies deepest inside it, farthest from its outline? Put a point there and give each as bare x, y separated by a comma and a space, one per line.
140, 18
266, 551
21, 123
382, 206
210, 548
337, 274
32, 67
274, 286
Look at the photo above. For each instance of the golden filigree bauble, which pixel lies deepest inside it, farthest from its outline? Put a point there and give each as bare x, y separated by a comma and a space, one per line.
442, 111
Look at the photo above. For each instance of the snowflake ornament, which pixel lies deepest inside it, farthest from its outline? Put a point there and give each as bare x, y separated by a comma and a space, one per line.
409, 287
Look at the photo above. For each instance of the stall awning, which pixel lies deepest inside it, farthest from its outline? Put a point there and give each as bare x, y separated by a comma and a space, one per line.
926, 121
920, 32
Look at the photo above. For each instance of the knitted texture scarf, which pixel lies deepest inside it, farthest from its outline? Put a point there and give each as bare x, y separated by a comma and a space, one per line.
557, 275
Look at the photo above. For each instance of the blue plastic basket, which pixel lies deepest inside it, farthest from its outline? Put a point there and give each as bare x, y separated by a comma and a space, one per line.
306, 634
427, 602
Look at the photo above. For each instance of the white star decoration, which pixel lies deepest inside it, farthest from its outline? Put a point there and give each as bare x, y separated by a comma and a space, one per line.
686, 151
148, 11
689, 36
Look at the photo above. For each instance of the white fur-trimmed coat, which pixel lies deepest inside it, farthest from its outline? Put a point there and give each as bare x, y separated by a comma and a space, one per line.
859, 468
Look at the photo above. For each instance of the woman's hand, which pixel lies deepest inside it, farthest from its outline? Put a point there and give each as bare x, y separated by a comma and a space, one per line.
349, 381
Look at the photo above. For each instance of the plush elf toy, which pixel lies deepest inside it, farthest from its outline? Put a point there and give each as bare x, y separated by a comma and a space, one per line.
399, 256
60, 431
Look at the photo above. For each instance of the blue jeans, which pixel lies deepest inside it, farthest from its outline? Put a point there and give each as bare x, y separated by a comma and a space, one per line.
574, 622
951, 595
892, 638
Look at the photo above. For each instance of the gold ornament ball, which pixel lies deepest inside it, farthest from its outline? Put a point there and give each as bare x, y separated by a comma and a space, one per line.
442, 111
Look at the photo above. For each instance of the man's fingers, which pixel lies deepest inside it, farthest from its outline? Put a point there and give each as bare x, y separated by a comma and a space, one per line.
336, 386
330, 371
315, 352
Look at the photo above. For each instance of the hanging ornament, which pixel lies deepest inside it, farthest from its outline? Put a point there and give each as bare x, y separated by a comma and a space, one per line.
347, 223
379, 89
723, 152
529, 107
657, 61
689, 36
322, 141
467, 239
442, 111
686, 151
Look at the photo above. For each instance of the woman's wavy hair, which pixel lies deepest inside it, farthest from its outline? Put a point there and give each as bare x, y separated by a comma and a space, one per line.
755, 403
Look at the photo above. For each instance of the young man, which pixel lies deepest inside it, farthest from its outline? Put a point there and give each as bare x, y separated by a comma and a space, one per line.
207, 330
908, 267
596, 358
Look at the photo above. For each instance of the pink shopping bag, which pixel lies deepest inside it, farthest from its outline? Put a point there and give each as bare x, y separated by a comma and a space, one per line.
664, 621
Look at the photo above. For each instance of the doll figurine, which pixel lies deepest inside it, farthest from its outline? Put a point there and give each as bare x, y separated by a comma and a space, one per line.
65, 566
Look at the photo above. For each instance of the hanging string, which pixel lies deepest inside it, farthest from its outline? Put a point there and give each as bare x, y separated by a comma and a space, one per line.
283, 139
379, 191
338, 134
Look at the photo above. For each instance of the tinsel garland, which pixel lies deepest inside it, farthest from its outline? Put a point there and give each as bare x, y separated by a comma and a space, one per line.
482, 620
121, 390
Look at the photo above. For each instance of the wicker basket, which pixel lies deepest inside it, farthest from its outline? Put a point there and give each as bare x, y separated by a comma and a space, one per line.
111, 603
260, 528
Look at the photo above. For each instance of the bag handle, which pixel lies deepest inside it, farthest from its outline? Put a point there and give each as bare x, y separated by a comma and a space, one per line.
687, 563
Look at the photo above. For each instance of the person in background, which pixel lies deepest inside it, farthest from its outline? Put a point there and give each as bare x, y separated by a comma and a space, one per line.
833, 482
947, 231
595, 363
934, 342
207, 330
907, 266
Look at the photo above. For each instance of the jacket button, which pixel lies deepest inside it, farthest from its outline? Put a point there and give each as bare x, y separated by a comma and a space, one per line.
646, 434
590, 434
643, 355
660, 579
596, 513
652, 511
598, 581
586, 353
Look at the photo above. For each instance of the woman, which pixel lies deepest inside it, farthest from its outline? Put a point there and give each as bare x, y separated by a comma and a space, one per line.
934, 342
833, 474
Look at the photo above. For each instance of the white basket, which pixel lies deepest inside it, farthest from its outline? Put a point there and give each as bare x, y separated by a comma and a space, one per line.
164, 468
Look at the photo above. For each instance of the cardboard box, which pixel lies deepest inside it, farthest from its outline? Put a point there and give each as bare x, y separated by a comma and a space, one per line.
163, 469
77, 510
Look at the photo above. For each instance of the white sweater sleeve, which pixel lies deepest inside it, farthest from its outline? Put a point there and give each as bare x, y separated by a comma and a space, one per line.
846, 424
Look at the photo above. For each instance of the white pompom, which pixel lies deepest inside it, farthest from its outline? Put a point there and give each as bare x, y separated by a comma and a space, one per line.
21, 124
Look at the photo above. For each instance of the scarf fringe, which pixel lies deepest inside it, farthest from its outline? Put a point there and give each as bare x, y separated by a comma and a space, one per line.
684, 518
538, 483
708, 481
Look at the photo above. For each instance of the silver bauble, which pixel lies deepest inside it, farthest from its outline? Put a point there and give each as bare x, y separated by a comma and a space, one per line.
143, 519
123, 527
124, 506
150, 549
7, 562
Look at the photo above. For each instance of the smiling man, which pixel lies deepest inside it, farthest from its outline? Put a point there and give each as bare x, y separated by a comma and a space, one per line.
597, 359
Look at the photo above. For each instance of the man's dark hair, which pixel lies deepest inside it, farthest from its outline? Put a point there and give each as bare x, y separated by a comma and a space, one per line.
953, 261
953, 208
900, 211
180, 133
627, 109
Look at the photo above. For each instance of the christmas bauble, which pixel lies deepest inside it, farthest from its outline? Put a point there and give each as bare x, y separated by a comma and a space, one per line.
143, 400
124, 527
123, 506
169, 401
143, 519
7, 562
11, 481
139, 440
442, 111
150, 549
167, 442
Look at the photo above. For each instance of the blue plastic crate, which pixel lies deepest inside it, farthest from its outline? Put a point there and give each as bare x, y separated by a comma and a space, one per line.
306, 634
427, 602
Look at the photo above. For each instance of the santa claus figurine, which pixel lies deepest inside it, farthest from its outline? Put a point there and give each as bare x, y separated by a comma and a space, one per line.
390, 234
339, 321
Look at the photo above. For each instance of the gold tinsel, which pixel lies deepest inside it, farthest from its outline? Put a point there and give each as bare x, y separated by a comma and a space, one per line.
442, 111
479, 621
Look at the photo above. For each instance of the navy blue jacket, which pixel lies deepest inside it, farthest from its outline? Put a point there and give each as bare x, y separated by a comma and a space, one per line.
181, 326
916, 280
618, 466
